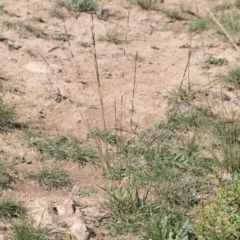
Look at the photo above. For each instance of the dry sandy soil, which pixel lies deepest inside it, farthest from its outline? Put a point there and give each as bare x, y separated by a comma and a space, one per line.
53, 83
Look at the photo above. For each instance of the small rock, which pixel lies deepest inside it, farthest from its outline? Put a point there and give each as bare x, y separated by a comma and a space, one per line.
67, 208
66, 79
37, 67
80, 230
41, 214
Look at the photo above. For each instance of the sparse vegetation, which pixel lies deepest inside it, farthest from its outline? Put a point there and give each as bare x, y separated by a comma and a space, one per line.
237, 3
24, 28
216, 61
57, 13
60, 148
223, 6
221, 220
8, 116
176, 180
30, 52
112, 35
5, 178
147, 4
27, 229
230, 78
91, 6
51, 178
172, 14
10, 208
230, 20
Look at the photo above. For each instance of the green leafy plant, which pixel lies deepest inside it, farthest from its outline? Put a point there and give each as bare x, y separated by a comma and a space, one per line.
221, 221
171, 227
216, 61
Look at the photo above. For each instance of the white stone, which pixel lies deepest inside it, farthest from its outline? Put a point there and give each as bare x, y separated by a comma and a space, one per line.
67, 208
80, 230
37, 67
40, 213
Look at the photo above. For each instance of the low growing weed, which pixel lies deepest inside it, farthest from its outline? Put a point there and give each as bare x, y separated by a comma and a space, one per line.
221, 221
216, 61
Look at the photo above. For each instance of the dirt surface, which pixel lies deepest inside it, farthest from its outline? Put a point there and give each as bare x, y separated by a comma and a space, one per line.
53, 83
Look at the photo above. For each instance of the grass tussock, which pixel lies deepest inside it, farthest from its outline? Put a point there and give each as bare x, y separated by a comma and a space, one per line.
27, 229
90, 6
231, 78
148, 4
5, 178
10, 209
8, 116
61, 147
112, 36
50, 178
229, 19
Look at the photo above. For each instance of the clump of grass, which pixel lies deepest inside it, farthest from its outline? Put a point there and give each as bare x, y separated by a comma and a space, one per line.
222, 6
112, 35
172, 226
10, 208
26, 230
2, 7
201, 24
237, 3
8, 116
230, 21
128, 207
82, 5
22, 28
85, 44
51, 178
147, 4
230, 78
106, 136
60, 147
172, 14
37, 32
216, 61
5, 178
180, 95
30, 52
57, 13
226, 147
